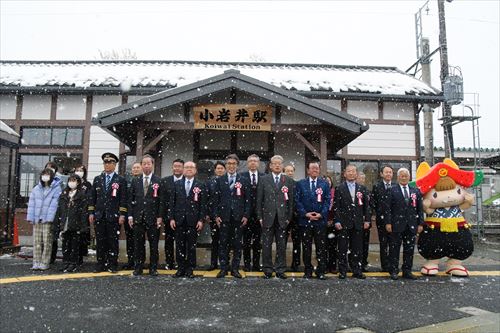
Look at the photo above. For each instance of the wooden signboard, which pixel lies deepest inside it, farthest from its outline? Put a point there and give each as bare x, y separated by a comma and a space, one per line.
233, 117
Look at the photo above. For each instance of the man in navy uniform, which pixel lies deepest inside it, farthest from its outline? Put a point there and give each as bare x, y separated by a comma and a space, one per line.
253, 230
107, 209
379, 197
231, 212
312, 198
144, 215
187, 210
351, 217
404, 218
167, 187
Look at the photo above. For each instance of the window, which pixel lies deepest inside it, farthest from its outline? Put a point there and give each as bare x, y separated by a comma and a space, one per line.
31, 165
61, 137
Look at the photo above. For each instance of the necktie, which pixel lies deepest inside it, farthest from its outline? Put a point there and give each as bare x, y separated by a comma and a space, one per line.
146, 185
407, 196
254, 181
188, 187
108, 180
352, 189
387, 186
313, 185
231, 182
277, 181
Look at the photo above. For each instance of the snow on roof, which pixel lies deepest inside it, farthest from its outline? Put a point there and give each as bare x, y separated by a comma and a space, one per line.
5, 128
170, 74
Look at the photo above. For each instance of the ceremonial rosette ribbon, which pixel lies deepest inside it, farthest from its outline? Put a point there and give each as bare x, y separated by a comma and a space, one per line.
237, 186
359, 195
284, 189
414, 200
155, 189
196, 191
115, 187
319, 193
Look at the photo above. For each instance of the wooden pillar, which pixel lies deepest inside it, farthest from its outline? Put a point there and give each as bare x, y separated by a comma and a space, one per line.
323, 152
139, 144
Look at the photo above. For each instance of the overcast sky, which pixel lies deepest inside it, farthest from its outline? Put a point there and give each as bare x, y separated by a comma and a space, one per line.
332, 32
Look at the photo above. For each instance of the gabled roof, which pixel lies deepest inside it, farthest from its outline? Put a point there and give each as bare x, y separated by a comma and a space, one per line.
139, 75
348, 126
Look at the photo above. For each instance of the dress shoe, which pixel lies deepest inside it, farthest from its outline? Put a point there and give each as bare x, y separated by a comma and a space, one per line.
212, 267
393, 276
128, 266
360, 276
321, 276
256, 269
153, 272
137, 272
267, 276
221, 274
342, 275
99, 269
294, 268
307, 275
409, 276
112, 269
281, 276
190, 275
236, 274
179, 274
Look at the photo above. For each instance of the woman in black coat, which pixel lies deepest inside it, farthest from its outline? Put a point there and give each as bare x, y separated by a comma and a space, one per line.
81, 171
71, 218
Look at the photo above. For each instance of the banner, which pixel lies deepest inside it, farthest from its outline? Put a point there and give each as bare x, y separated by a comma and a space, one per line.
233, 117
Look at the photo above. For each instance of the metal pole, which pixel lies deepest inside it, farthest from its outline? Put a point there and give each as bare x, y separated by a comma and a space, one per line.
427, 110
447, 126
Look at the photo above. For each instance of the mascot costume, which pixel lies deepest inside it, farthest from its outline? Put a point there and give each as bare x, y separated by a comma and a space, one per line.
446, 233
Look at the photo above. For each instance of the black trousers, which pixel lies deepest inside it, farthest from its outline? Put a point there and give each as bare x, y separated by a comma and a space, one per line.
434, 244
251, 243
71, 242
129, 233
366, 247
318, 234
278, 234
332, 237
355, 238
185, 247
140, 231
231, 237
384, 246
53, 253
296, 234
107, 242
169, 245
407, 237
84, 245
214, 247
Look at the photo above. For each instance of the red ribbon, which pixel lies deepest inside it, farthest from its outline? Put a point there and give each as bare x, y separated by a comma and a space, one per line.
319, 192
284, 189
196, 190
237, 186
359, 195
414, 200
114, 186
155, 190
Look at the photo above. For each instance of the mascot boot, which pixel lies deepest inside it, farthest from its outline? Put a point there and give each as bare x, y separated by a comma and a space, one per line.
430, 267
454, 267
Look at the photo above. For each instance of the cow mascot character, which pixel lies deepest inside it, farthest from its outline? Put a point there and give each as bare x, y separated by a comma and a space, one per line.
446, 232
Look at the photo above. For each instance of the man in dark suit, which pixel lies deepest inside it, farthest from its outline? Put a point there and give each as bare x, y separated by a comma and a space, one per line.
312, 198
404, 218
361, 179
379, 197
231, 212
187, 209
129, 232
219, 170
167, 187
107, 208
351, 217
253, 230
144, 216
293, 228
275, 204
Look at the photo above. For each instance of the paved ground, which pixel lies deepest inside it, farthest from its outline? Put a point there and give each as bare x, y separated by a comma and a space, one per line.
121, 303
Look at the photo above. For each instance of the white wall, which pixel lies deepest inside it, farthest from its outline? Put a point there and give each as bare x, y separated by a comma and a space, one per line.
361, 109
177, 144
390, 140
8, 104
36, 107
101, 141
292, 150
71, 107
398, 111
334, 103
296, 117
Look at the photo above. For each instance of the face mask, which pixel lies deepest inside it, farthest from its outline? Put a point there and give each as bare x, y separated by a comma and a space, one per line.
45, 178
79, 174
72, 185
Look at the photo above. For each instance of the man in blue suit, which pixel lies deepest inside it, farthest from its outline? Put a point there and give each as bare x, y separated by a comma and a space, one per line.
312, 198
231, 212
404, 218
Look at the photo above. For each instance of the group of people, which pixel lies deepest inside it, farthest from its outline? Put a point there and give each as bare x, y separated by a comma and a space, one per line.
247, 212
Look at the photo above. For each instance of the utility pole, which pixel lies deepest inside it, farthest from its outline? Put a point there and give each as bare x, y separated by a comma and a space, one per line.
447, 126
425, 62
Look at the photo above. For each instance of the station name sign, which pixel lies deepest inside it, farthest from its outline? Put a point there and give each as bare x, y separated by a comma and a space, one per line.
233, 117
